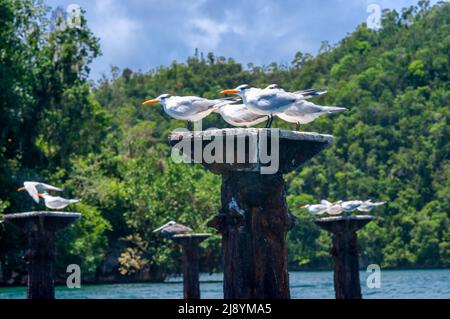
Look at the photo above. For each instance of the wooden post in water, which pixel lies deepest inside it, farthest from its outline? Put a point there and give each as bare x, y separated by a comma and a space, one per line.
40, 229
345, 252
254, 218
189, 245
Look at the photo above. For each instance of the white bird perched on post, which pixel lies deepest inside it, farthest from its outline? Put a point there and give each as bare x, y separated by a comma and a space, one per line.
172, 228
56, 202
263, 101
239, 115
317, 209
350, 206
187, 108
34, 188
334, 209
303, 112
368, 205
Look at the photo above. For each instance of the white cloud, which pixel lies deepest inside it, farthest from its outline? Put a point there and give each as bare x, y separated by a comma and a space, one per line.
206, 33
115, 30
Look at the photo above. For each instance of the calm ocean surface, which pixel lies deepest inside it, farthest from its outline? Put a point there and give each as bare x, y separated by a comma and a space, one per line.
304, 284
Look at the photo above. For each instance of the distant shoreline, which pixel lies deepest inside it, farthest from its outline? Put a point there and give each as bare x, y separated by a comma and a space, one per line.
60, 283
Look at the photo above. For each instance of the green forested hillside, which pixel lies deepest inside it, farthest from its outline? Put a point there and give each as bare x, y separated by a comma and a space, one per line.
102, 145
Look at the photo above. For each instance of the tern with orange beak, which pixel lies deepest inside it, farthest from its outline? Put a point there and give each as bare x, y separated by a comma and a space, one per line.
34, 188
56, 202
188, 108
264, 101
317, 209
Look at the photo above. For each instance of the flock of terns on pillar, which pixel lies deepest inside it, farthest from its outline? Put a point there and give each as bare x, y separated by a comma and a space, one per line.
253, 106
339, 207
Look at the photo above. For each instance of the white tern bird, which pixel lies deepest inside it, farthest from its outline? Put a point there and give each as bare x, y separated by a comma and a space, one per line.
239, 115
188, 108
263, 101
34, 188
350, 206
56, 202
317, 209
368, 205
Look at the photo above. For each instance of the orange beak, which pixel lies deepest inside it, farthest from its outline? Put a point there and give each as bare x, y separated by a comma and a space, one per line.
40, 195
303, 206
152, 101
232, 91
21, 189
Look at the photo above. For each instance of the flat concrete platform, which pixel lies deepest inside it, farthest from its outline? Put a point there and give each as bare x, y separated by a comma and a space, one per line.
343, 223
50, 220
248, 149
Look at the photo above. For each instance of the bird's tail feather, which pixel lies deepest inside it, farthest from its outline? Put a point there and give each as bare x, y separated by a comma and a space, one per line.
335, 109
225, 101
310, 93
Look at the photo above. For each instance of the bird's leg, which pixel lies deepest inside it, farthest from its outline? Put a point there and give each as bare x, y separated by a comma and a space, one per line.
190, 126
269, 121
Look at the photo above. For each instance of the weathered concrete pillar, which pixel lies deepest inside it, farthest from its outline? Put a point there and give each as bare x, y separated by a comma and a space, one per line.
189, 245
40, 229
345, 252
254, 218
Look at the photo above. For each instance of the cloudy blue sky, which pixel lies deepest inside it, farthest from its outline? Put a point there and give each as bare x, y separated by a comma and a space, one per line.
146, 34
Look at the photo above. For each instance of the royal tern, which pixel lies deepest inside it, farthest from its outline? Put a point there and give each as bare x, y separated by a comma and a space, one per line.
56, 202
334, 209
303, 112
188, 108
239, 115
368, 205
172, 228
264, 101
350, 206
34, 188
317, 209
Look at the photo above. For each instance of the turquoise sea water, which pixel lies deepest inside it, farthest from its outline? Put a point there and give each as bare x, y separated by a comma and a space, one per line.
304, 284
